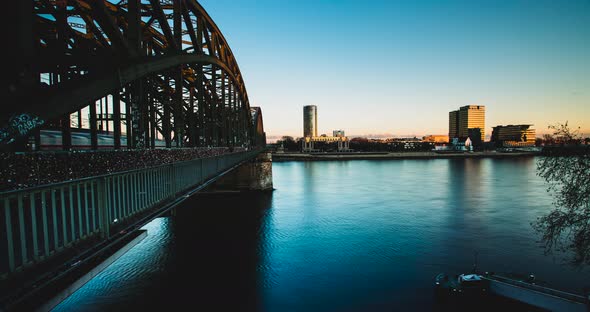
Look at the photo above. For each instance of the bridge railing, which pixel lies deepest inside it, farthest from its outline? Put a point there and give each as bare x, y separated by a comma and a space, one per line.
37, 223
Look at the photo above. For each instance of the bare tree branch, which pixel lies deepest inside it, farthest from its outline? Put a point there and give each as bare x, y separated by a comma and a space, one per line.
565, 166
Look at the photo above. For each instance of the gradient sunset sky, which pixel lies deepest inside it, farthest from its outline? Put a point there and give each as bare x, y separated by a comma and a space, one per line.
399, 67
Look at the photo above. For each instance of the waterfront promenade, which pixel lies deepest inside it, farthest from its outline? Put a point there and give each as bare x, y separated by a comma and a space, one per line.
395, 155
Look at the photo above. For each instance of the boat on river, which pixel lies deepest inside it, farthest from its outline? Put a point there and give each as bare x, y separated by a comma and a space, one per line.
463, 284
525, 290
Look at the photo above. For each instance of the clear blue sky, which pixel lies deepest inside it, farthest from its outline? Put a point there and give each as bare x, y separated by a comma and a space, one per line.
399, 67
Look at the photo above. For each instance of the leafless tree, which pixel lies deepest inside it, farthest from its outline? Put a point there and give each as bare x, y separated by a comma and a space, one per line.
565, 167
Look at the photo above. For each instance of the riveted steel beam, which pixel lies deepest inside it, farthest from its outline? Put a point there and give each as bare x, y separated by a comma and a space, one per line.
191, 91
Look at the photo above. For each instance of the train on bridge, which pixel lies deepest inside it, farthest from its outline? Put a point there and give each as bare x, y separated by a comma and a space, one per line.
165, 64
52, 140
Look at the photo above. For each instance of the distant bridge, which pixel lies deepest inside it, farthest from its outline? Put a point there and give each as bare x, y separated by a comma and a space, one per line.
138, 75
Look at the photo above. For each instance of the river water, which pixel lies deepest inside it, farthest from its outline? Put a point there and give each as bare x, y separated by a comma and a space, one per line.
338, 236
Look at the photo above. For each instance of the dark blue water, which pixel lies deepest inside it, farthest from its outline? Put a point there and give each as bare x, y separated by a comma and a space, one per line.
338, 236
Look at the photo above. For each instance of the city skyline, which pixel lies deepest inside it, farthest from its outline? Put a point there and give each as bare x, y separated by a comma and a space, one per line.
411, 63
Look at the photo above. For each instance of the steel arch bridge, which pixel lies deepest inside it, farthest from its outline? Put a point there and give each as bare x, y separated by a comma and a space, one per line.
150, 70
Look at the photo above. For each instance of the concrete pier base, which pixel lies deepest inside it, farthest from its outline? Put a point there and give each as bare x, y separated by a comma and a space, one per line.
255, 175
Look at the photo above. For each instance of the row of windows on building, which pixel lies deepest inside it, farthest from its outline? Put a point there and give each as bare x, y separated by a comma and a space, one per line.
469, 122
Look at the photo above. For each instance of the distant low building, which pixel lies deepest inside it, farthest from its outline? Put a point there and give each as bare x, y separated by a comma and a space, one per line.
455, 145
513, 136
436, 139
461, 145
342, 142
338, 133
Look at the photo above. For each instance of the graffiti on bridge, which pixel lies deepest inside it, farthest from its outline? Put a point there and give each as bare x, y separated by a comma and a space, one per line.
19, 125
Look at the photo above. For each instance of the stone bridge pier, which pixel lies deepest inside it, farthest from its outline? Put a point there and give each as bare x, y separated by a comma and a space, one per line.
254, 175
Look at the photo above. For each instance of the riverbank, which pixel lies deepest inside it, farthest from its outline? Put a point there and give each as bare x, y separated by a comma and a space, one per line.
398, 155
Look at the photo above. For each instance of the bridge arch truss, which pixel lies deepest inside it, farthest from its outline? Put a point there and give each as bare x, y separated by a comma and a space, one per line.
150, 70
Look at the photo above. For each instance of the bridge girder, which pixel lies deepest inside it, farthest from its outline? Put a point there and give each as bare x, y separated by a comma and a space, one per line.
167, 62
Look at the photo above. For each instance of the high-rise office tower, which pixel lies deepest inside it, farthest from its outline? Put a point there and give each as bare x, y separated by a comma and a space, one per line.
470, 117
453, 125
310, 121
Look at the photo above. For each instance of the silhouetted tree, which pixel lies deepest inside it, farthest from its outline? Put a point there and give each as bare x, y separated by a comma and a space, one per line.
566, 168
367, 145
548, 139
288, 143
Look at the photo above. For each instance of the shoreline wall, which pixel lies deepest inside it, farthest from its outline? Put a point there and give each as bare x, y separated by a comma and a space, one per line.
389, 156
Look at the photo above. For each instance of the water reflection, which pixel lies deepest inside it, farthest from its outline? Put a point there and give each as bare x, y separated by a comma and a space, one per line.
464, 181
208, 255
465, 188
218, 251
308, 184
338, 236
